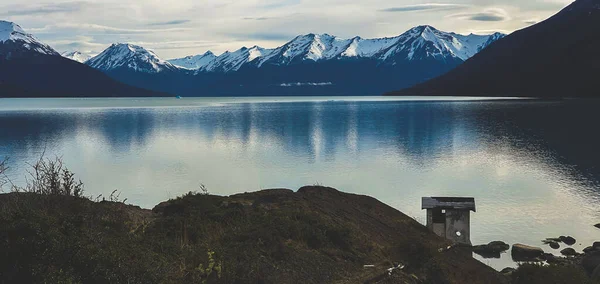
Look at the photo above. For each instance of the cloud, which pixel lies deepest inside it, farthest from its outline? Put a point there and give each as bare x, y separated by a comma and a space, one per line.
423, 7
262, 36
83, 44
531, 22
174, 45
169, 23
97, 29
43, 9
257, 19
486, 32
488, 15
274, 4
230, 24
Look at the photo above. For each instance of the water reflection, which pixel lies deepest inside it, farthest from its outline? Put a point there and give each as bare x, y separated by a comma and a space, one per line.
532, 166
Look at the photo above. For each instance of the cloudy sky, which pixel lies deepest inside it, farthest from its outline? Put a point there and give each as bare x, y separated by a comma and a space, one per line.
176, 28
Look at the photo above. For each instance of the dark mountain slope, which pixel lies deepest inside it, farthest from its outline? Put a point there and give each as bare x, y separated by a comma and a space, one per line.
555, 58
54, 76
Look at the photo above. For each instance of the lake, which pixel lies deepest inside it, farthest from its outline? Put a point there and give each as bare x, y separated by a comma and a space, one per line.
533, 166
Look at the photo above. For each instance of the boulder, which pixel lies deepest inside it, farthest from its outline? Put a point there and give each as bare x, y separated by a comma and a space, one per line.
568, 240
591, 261
568, 252
547, 257
597, 225
522, 252
552, 244
501, 246
596, 246
491, 250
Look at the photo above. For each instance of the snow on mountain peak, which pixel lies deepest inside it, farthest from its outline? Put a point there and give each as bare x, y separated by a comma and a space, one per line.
233, 61
427, 41
76, 56
194, 62
123, 55
417, 43
11, 32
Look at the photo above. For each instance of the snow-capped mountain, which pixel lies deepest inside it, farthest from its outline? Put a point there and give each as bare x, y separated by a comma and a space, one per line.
312, 64
426, 42
195, 61
132, 57
14, 40
556, 58
233, 61
76, 56
31, 68
419, 43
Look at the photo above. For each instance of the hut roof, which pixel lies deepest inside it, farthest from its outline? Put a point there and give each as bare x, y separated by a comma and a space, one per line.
457, 203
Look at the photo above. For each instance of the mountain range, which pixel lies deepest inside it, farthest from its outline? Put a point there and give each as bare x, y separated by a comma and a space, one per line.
312, 64
555, 58
30, 68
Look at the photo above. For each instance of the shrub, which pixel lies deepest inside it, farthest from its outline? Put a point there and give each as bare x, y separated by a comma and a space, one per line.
50, 177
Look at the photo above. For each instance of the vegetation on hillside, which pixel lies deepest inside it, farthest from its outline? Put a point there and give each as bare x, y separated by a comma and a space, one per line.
51, 233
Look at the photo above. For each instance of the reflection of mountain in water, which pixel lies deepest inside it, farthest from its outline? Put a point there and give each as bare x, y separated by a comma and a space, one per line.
418, 131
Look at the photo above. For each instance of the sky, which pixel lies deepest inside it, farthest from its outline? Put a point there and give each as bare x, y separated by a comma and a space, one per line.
177, 28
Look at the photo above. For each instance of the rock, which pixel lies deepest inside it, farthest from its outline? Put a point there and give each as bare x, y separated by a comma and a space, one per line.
591, 261
552, 244
568, 252
500, 246
508, 271
597, 225
596, 246
491, 250
568, 240
554, 240
522, 252
547, 257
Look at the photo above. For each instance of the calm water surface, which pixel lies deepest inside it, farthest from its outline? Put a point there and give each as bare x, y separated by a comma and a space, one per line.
531, 165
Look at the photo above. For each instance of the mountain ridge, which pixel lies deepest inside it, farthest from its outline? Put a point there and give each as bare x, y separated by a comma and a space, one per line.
319, 47
31, 68
532, 62
125, 55
311, 64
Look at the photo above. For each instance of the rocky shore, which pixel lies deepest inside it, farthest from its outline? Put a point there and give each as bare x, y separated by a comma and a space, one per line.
588, 260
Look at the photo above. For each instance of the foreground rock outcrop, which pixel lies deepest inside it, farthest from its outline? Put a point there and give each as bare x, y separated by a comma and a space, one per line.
314, 235
522, 252
491, 250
